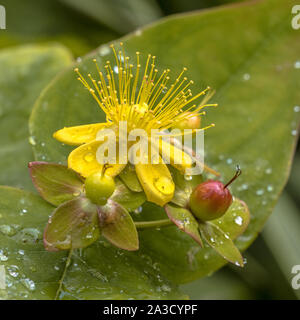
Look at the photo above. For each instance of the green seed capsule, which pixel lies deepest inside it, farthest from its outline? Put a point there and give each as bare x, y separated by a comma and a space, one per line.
99, 187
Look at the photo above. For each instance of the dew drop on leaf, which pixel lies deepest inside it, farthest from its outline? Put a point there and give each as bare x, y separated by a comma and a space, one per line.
238, 220
28, 283
297, 109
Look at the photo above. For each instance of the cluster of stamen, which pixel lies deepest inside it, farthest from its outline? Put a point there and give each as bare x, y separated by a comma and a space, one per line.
143, 99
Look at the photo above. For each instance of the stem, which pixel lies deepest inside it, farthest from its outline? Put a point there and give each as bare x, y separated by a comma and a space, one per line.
153, 224
64, 274
237, 173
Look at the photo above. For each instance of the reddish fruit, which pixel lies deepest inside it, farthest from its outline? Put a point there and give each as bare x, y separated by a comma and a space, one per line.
211, 199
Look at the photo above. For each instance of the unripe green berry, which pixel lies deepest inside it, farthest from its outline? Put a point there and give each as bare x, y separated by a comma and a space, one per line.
99, 187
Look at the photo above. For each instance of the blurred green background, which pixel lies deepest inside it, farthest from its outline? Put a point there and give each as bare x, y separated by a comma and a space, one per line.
83, 26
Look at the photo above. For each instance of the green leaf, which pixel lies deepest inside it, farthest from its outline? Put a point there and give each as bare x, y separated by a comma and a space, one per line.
117, 226
74, 224
55, 182
121, 16
25, 71
185, 221
221, 242
128, 199
100, 271
252, 68
43, 21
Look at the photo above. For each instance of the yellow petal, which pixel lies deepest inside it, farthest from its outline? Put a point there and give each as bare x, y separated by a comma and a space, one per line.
75, 136
83, 160
175, 156
156, 181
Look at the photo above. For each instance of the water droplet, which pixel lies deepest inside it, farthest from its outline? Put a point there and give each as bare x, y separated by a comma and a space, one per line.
28, 283
237, 264
165, 288
76, 193
31, 140
32, 269
138, 210
268, 171
164, 185
56, 268
227, 236
116, 69
297, 65
245, 261
246, 76
294, 132
23, 211
13, 271
260, 192
78, 60
297, 109
43, 144
270, 188
238, 220
212, 240
138, 33
164, 90
89, 157
188, 177
21, 252
229, 160
3, 257
7, 230
29, 235
104, 50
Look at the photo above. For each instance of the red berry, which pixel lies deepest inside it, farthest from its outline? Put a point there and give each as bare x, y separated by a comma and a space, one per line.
211, 199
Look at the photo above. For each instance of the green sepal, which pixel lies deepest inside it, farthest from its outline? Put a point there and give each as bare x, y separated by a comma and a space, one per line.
184, 220
56, 183
74, 224
117, 226
221, 243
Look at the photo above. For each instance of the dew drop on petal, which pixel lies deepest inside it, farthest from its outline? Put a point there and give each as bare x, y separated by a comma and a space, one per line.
164, 185
89, 157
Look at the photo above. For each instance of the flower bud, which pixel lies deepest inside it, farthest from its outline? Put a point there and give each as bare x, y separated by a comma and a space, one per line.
99, 187
188, 123
211, 199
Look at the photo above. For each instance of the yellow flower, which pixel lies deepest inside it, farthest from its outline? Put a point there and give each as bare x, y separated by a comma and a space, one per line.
145, 102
